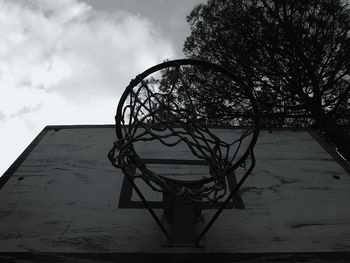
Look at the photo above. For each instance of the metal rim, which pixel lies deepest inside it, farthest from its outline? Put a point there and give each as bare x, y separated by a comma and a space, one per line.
192, 62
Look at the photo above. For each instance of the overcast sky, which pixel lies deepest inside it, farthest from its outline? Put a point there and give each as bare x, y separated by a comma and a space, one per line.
67, 61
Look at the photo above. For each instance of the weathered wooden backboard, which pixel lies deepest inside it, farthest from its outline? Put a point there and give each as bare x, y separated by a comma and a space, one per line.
63, 197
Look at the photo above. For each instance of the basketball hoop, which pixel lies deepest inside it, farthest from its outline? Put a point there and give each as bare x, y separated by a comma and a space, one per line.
180, 102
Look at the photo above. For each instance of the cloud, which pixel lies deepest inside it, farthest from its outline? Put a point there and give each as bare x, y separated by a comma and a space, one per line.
62, 62
25, 110
2, 116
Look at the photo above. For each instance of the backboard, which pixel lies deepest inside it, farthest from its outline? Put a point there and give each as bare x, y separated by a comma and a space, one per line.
63, 199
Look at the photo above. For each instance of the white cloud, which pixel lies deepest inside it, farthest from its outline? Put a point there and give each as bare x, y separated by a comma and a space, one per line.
61, 62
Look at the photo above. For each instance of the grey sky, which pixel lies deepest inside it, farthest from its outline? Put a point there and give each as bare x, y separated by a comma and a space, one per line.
66, 62
168, 15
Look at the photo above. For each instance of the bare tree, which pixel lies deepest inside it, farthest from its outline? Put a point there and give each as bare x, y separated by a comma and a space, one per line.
296, 54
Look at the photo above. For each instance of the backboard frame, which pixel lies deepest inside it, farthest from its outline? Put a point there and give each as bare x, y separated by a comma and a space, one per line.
322, 256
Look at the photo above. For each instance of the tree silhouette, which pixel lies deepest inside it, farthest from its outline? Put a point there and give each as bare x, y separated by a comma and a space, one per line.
295, 52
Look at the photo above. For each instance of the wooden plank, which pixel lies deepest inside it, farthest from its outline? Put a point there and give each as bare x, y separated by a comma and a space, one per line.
64, 195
